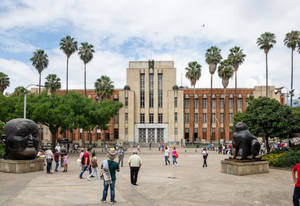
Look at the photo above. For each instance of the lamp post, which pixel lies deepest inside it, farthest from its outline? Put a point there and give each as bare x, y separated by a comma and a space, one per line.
25, 96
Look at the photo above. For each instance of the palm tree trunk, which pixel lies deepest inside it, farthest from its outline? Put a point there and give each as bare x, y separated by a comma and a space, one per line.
40, 74
67, 88
224, 114
292, 73
211, 85
85, 80
235, 91
267, 89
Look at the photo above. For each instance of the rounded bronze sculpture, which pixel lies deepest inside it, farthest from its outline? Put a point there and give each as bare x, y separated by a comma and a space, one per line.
21, 137
245, 145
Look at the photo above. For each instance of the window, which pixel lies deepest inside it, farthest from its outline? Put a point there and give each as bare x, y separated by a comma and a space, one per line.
222, 103
175, 131
204, 102
204, 118
126, 101
222, 129
175, 102
151, 98
175, 117
186, 103
214, 103
230, 103
204, 129
222, 117
230, 117
187, 117
116, 119
196, 117
142, 118
151, 119
160, 91
213, 117
160, 118
239, 104
126, 118
196, 102
142, 90
213, 129
126, 131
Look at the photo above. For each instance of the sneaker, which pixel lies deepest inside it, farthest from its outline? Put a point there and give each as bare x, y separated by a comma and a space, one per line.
104, 201
89, 179
113, 202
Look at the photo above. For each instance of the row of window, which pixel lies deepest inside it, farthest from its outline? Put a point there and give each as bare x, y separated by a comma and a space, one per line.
142, 118
204, 103
151, 91
187, 130
204, 117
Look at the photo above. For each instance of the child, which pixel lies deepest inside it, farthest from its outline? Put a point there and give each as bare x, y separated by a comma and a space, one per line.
65, 162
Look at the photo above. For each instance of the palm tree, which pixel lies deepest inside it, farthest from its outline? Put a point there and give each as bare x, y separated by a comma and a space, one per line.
266, 41
213, 57
4, 82
291, 40
193, 73
86, 54
225, 72
236, 58
52, 83
104, 87
19, 91
69, 46
40, 62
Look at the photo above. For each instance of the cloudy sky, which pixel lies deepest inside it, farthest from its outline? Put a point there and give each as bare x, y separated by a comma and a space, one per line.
122, 31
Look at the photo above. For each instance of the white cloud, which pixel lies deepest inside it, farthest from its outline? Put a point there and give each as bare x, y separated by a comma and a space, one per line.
169, 30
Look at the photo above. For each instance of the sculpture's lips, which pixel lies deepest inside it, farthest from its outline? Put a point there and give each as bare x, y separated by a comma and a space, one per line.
28, 152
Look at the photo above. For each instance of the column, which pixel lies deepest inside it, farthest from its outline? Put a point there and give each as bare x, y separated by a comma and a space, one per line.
192, 123
200, 117
244, 102
218, 117
208, 114
111, 129
235, 98
155, 135
147, 135
226, 118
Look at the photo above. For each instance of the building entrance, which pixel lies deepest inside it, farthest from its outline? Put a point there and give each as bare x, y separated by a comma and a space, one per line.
146, 133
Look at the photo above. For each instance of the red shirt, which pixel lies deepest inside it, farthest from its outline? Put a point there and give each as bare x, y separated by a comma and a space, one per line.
297, 168
56, 157
86, 158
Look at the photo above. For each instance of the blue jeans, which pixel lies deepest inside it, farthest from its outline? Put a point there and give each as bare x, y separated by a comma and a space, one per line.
84, 169
112, 190
56, 166
167, 160
296, 196
49, 164
174, 160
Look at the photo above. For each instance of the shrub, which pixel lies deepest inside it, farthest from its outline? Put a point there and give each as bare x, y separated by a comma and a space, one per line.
2, 150
283, 159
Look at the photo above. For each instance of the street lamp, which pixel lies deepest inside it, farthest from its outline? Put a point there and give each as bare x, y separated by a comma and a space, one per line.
25, 96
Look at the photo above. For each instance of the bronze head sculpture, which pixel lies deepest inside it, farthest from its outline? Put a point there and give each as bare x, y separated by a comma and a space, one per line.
245, 145
21, 137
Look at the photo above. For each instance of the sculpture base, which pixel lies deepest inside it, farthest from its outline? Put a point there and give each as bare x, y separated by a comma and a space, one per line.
21, 166
244, 167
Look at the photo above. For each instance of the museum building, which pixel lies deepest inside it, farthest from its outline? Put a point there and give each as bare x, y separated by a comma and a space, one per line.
156, 110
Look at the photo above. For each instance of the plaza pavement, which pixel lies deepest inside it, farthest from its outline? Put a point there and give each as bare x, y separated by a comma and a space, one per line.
186, 185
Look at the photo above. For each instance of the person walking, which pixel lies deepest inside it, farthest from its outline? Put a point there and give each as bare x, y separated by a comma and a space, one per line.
135, 163
174, 156
66, 162
94, 165
108, 169
81, 158
56, 159
205, 155
49, 158
296, 195
167, 153
121, 155
86, 163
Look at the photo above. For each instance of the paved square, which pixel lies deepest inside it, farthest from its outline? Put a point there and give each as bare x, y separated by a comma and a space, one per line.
186, 185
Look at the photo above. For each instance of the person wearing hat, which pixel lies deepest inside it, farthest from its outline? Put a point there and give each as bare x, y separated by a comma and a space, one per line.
109, 168
135, 163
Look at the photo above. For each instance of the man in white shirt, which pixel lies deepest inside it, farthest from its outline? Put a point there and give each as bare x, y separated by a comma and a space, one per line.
135, 163
57, 147
49, 157
205, 154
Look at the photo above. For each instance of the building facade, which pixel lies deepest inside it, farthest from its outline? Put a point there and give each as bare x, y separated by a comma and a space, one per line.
155, 110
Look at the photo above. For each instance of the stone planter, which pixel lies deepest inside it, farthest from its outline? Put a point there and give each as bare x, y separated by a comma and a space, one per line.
21, 166
240, 167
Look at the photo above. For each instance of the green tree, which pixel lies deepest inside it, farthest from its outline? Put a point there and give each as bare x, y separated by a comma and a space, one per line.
291, 40
86, 51
69, 46
266, 42
52, 83
193, 73
4, 82
104, 87
19, 91
267, 118
40, 62
236, 57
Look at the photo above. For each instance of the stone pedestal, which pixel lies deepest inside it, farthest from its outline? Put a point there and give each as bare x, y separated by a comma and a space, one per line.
21, 166
244, 167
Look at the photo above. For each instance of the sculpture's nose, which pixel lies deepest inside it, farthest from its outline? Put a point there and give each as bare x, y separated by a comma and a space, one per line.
30, 140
